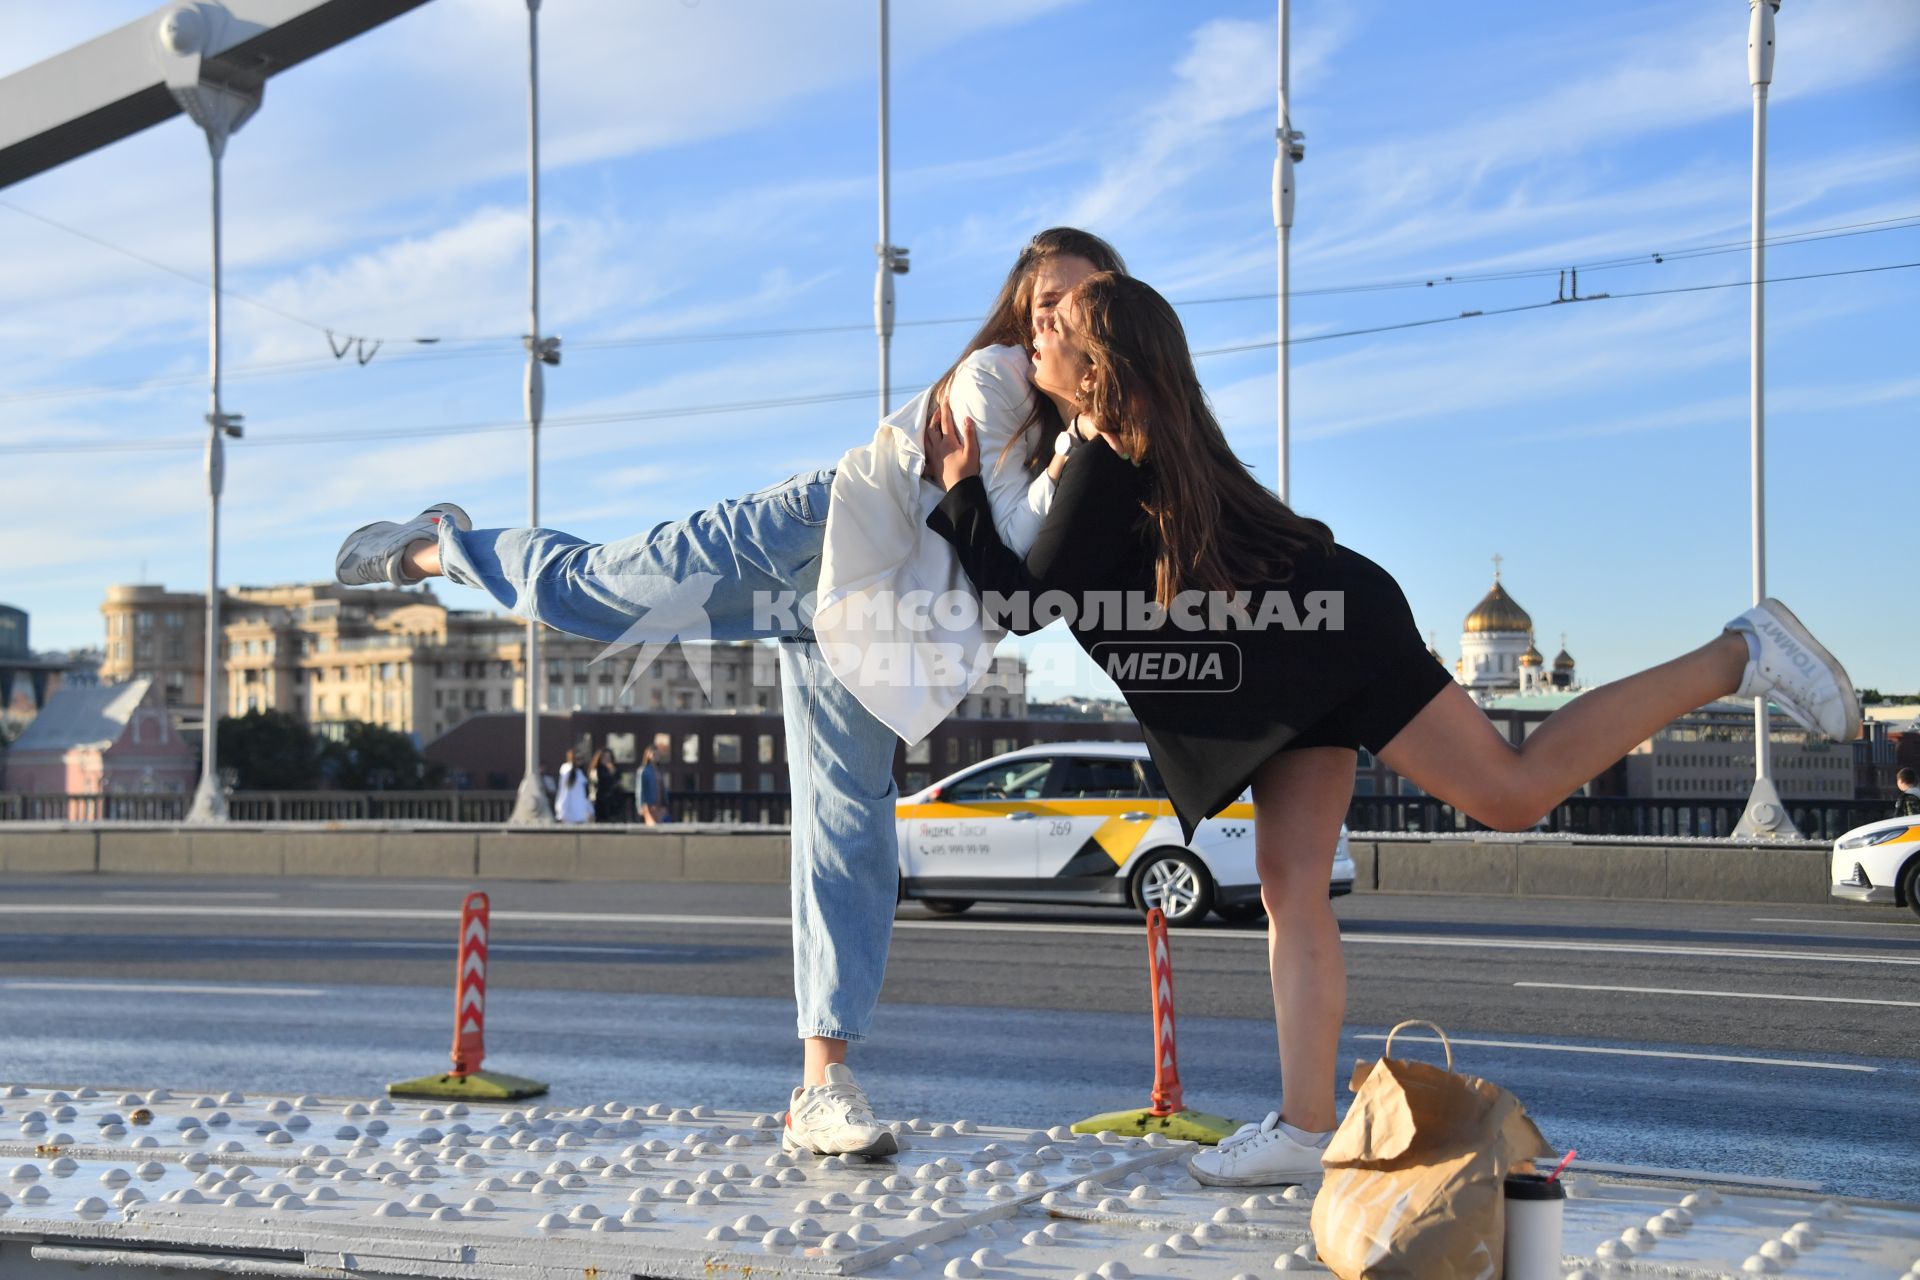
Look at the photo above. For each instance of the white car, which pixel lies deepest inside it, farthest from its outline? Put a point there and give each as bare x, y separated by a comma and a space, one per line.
1879, 862
1079, 822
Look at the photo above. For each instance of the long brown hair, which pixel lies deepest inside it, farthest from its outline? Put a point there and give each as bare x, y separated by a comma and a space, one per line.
1219, 528
1009, 323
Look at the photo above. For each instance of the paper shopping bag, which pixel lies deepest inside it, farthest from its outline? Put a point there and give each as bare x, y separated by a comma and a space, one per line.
1414, 1175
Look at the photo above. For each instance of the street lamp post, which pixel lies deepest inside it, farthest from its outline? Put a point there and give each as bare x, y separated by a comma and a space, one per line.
1289, 147
1765, 814
532, 805
219, 99
893, 259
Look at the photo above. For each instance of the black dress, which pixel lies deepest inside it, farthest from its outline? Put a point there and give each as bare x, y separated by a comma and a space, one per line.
1331, 657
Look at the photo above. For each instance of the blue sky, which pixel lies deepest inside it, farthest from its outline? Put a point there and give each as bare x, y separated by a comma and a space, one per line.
710, 169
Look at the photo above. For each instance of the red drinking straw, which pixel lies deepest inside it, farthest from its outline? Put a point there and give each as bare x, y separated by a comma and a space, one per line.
1561, 1168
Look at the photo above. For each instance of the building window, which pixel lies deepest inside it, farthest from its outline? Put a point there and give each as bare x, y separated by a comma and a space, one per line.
729, 782
726, 748
766, 748
690, 749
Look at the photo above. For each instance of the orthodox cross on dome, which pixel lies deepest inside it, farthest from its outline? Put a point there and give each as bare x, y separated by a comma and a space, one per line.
1563, 642
1496, 566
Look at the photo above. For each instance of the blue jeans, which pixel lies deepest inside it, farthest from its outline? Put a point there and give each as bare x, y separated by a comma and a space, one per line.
702, 578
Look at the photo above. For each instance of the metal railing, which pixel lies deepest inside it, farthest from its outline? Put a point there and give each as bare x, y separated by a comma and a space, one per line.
1581, 815
1616, 816
763, 808
489, 807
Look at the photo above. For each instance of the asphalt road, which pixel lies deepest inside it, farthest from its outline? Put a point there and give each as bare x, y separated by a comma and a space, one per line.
1762, 1041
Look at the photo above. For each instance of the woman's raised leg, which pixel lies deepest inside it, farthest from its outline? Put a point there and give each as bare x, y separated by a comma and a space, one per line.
1452, 751
734, 571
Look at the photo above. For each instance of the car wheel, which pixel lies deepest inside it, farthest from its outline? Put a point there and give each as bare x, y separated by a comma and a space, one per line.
1241, 912
946, 906
1176, 882
1910, 885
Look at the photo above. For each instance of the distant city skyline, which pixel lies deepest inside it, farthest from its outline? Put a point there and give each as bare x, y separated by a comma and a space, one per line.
1599, 447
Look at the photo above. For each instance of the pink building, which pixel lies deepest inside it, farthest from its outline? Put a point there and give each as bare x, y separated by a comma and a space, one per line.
110, 738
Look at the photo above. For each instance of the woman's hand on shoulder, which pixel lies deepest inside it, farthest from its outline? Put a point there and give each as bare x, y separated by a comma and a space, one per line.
953, 453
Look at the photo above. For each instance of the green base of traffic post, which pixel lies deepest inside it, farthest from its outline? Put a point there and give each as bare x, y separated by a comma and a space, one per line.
477, 1086
1189, 1126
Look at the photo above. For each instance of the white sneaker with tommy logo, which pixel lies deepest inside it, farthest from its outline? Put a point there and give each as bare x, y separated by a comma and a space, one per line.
835, 1119
1787, 665
373, 553
1260, 1155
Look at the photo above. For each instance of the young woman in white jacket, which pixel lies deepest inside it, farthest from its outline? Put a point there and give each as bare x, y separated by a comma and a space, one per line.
876, 644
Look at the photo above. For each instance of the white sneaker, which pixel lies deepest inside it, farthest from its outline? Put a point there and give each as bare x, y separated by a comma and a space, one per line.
1257, 1155
835, 1119
372, 553
1796, 672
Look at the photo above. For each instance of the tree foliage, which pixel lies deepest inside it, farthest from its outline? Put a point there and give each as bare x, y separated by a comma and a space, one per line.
271, 751
367, 757
274, 751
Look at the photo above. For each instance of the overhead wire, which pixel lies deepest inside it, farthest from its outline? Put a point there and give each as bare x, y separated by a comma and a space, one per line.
289, 367
331, 331
745, 406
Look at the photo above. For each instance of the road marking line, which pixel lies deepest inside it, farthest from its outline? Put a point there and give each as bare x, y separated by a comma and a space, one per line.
183, 893
160, 988
944, 926
1698, 1175
1878, 924
1734, 995
1637, 1053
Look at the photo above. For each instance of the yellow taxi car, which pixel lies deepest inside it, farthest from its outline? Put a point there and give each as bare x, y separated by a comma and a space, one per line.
1082, 823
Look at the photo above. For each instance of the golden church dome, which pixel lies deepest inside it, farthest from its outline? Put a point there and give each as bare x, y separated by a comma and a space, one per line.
1498, 612
1563, 661
1531, 658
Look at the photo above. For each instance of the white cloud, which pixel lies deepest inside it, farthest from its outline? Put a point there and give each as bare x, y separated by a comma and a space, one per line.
1536, 161
1227, 72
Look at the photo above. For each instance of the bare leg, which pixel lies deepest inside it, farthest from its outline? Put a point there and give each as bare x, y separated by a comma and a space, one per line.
1452, 751
1300, 799
422, 560
821, 1050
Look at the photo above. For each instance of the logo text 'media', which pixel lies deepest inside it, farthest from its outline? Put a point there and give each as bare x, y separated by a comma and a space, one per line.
1170, 666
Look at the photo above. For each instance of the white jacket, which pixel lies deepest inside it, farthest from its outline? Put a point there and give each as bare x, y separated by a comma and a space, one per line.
911, 671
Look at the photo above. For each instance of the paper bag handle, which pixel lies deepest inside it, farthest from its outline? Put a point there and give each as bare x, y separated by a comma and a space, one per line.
1419, 1022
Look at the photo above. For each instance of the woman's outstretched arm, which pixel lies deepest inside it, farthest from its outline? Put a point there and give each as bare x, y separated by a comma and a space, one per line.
1086, 544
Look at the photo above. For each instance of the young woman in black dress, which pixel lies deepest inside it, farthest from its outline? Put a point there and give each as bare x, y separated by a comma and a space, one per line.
1153, 508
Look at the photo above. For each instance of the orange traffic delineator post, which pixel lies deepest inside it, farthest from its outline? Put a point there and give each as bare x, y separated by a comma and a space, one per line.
1168, 1114
467, 1080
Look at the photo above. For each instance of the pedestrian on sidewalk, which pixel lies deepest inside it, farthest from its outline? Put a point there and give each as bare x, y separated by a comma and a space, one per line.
1906, 801
603, 781
1155, 510
572, 804
647, 789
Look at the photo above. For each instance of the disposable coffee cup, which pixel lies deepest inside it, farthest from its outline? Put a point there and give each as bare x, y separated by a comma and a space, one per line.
1535, 1208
